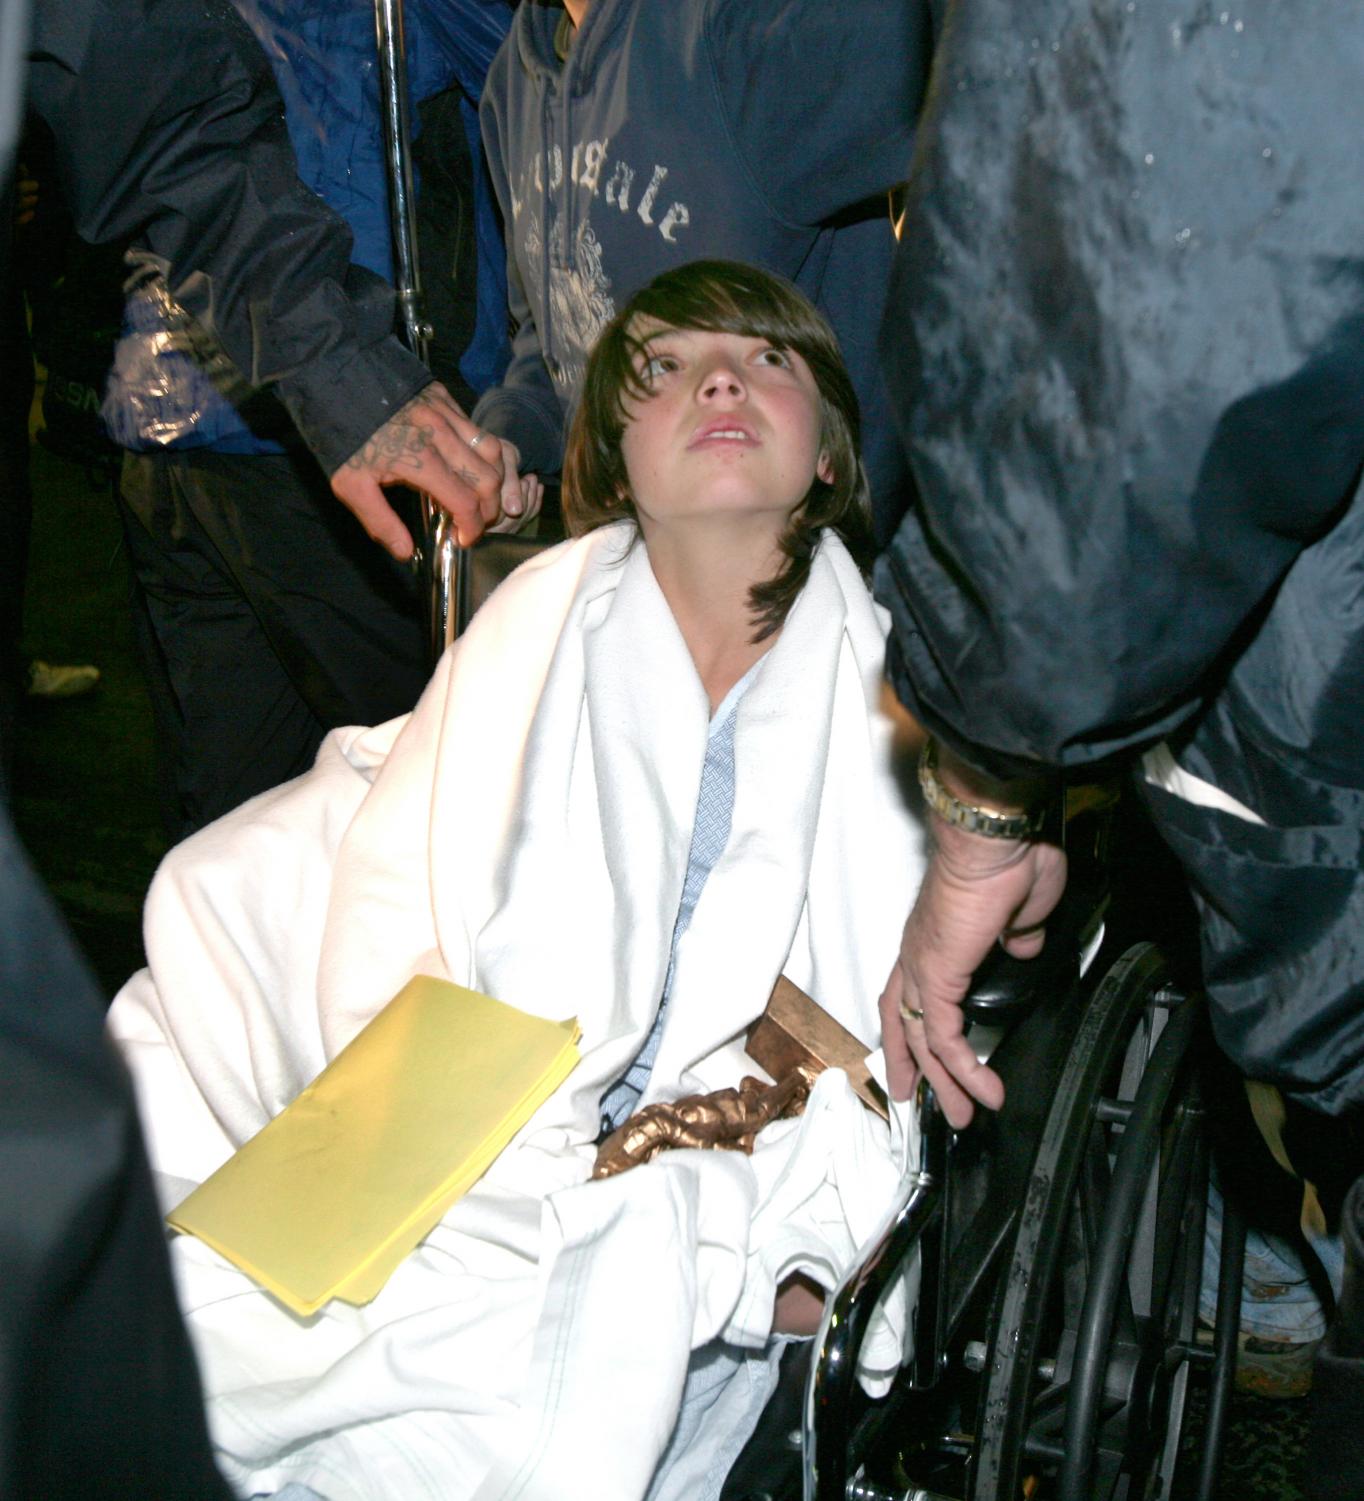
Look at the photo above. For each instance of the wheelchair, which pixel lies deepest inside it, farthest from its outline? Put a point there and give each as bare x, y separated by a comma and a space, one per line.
1061, 1246
1061, 1240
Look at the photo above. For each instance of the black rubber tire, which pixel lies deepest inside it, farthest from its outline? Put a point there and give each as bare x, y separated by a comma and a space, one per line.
1067, 1286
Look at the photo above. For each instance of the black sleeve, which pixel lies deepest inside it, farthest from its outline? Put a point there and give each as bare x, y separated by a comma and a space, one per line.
170, 129
1126, 348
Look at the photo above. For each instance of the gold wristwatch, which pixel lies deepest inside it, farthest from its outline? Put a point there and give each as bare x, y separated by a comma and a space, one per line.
987, 822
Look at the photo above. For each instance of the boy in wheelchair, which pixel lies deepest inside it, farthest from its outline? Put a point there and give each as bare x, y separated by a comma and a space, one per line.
653, 776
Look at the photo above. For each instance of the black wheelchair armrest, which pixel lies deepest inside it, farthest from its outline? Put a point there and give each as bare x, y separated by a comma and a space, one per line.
1004, 989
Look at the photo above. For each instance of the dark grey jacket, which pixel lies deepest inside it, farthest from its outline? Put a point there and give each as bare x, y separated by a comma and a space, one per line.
1126, 345
170, 127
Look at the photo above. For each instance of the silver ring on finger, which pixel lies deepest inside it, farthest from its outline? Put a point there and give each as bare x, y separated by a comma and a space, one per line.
477, 439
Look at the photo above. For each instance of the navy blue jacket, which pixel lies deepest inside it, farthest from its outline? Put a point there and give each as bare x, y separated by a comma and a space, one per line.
1126, 338
323, 56
741, 129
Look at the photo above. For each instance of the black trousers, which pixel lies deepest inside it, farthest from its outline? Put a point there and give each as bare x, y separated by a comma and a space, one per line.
265, 617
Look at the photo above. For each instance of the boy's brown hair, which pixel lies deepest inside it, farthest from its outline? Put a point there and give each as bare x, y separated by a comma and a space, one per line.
722, 297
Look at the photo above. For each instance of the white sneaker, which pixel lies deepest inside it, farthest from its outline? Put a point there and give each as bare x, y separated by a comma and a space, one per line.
48, 680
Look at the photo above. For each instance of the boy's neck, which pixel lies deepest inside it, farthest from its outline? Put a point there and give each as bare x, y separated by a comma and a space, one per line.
576, 9
705, 574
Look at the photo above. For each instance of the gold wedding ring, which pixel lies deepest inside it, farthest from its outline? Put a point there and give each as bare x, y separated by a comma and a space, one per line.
911, 1013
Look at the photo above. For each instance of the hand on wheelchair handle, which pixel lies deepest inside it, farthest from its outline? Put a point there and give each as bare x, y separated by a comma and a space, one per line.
977, 892
432, 446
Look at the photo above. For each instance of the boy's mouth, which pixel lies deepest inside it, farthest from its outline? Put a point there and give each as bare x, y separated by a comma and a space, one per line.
722, 430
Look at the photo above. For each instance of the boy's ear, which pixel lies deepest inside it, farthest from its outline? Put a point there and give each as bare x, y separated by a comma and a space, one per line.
824, 469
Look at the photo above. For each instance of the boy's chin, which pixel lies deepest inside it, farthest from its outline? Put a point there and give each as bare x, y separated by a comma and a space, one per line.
727, 501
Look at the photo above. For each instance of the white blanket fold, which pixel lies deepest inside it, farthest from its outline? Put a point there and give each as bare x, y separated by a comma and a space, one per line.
525, 832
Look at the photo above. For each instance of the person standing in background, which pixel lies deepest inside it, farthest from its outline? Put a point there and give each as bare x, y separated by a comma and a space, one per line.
30, 230
265, 616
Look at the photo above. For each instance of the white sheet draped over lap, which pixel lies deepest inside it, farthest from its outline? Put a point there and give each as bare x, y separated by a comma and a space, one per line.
525, 832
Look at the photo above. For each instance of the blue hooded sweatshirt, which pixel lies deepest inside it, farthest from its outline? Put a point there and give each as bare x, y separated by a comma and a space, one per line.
766, 131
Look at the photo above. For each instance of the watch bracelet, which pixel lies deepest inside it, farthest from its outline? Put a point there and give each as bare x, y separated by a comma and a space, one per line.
987, 822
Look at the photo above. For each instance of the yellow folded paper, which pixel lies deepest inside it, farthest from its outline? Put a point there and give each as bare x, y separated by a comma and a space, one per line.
328, 1199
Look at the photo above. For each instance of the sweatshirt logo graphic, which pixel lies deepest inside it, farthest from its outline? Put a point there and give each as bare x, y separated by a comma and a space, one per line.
586, 164
577, 287
580, 298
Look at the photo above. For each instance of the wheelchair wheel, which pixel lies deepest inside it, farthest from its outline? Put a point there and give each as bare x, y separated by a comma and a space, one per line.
1085, 1374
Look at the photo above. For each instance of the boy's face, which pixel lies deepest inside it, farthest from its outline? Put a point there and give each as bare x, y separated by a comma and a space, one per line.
731, 427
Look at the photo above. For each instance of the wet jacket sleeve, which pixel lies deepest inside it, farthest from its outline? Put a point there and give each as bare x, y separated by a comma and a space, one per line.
524, 407
170, 130
1126, 349
821, 99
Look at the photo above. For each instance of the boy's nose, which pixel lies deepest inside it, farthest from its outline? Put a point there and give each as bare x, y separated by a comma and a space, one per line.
721, 380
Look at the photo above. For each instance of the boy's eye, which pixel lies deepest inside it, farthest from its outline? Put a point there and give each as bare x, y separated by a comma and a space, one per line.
777, 357
657, 365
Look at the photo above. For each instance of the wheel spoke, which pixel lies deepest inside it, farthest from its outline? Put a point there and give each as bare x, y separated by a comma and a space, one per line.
1107, 1476
1049, 1409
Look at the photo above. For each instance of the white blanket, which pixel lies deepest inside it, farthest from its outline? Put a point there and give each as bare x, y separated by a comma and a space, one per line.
525, 832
